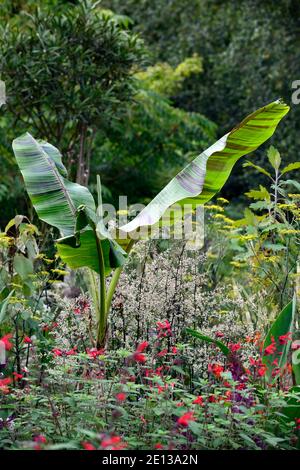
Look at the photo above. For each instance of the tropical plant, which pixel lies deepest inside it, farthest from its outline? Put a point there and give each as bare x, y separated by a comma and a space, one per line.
85, 241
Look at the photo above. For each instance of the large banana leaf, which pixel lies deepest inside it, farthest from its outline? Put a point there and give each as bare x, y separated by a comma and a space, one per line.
54, 198
201, 179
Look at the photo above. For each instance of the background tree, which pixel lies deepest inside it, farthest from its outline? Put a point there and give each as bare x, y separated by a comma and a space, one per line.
68, 73
250, 52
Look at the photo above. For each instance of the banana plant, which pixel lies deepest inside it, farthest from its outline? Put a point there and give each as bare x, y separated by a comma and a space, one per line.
85, 240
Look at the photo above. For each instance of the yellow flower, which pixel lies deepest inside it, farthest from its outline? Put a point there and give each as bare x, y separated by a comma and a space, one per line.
222, 200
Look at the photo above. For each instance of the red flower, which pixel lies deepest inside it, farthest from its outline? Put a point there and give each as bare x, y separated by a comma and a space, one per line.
40, 439
6, 381
72, 351
234, 347
164, 328
138, 355
57, 352
17, 376
141, 347
185, 419
27, 340
275, 372
284, 339
113, 442
77, 311
179, 404
271, 349
121, 396
216, 369
5, 339
162, 353
297, 423
93, 353
212, 399
88, 446
174, 350
158, 446
262, 370
198, 401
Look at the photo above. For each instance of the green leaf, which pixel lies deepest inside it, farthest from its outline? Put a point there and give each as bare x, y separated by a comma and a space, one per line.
54, 198
4, 305
201, 179
292, 408
291, 167
296, 363
283, 325
81, 251
294, 183
261, 194
274, 157
258, 168
23, 266
207, 339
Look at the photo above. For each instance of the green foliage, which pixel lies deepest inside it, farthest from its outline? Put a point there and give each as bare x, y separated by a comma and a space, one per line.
248, 51
154, 139
75, 68
207, 339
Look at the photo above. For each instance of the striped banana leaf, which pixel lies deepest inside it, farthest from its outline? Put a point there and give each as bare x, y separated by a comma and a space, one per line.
54, 198
201, 179
56, 201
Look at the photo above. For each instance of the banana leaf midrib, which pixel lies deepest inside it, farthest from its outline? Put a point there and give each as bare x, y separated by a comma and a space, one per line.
59, 179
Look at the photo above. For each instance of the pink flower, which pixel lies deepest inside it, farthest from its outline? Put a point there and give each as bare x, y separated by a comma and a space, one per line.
27, 340
295, 345
219, 334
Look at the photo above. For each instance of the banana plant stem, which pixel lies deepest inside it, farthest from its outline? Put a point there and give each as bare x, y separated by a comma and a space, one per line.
115, 279
101, 329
